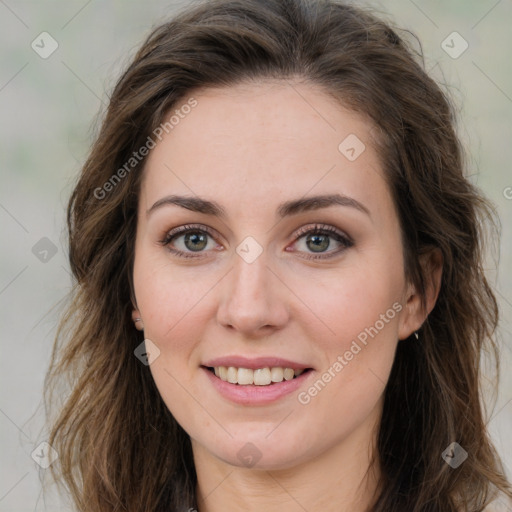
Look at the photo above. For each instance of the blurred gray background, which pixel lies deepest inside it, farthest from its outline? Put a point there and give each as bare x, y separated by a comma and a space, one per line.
49, 105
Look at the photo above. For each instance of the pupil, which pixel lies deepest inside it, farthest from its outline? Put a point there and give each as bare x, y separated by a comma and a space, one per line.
195, 238
323, 239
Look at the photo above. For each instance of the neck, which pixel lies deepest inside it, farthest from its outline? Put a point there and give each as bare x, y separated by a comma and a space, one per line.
341, 478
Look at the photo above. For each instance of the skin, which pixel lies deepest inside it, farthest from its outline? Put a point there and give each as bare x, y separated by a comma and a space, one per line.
272, 142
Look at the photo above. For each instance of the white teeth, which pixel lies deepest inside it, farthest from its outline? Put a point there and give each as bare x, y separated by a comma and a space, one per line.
261, 377
232, 375
288, 374
246, 376
223, 372
276, 374
258, 377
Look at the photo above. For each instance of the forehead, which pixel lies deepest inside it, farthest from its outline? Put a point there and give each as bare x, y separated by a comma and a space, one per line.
252, 144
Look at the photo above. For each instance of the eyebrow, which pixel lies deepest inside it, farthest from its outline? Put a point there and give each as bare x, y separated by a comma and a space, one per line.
288, 208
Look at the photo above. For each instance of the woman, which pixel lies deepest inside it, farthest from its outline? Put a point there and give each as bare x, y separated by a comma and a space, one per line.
279, 297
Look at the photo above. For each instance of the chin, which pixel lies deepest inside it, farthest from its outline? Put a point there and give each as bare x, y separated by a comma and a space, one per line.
256, 452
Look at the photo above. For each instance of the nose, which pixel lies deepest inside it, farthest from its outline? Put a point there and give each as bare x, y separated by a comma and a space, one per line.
253, 299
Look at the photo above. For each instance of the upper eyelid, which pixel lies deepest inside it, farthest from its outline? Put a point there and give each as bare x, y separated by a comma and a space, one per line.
297, 233
329, 229
180, 230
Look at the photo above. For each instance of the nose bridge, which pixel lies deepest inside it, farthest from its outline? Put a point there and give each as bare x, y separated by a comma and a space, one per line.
250, 278
251, 299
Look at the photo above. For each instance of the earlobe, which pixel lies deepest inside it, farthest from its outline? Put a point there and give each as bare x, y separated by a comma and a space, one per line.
416, 311
137, 320
409, 319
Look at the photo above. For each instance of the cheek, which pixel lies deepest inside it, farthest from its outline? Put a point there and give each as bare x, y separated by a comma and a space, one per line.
358, 363
176, 307
173, 315
342, 305
357, 330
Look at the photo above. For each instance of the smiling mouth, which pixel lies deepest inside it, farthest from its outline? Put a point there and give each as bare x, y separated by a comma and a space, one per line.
266, 376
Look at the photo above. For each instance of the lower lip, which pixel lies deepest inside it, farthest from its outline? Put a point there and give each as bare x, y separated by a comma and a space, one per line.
256, 395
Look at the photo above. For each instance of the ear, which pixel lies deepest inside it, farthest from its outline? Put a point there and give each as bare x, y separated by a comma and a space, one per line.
414, 313
136, 316
137, 319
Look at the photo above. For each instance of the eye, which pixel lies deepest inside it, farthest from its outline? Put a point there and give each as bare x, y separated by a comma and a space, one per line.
319, 238
194, 239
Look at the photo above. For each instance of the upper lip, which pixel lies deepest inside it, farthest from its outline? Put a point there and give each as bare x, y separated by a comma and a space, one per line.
255, 363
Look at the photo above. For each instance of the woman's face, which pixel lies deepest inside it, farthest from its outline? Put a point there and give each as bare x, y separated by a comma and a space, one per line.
255, 287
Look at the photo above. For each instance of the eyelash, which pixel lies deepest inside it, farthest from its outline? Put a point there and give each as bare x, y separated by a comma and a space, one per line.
317, 229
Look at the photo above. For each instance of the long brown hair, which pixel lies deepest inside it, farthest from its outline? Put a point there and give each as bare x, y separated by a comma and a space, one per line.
119, 446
